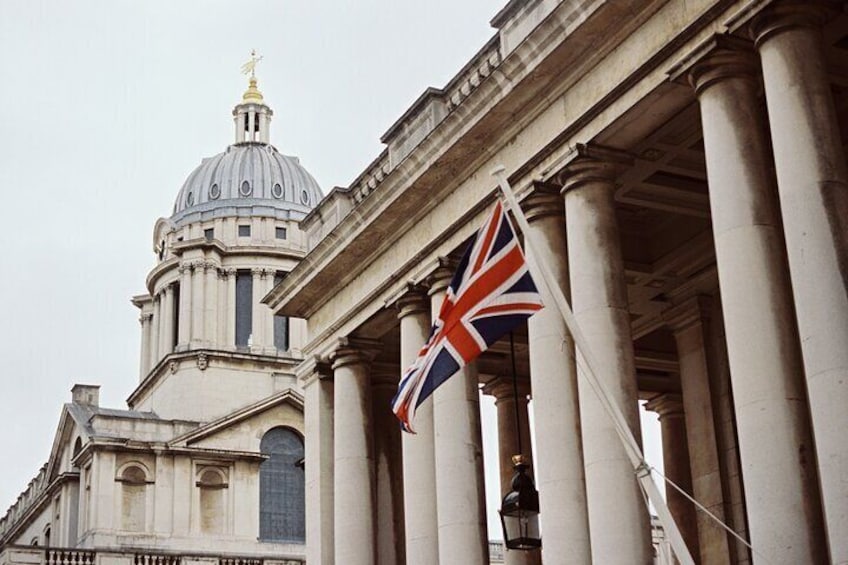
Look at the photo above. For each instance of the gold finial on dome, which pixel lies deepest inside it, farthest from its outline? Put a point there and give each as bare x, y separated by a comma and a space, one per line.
252, 93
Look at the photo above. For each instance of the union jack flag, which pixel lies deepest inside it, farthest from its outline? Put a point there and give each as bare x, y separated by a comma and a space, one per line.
490, 294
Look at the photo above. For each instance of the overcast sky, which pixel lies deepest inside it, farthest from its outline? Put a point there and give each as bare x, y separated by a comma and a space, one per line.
106, 107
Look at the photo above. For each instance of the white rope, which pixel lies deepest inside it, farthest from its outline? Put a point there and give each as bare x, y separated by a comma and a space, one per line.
584, 354
706, 511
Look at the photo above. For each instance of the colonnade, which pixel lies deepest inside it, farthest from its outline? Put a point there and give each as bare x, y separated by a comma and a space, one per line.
205, 295
781, 252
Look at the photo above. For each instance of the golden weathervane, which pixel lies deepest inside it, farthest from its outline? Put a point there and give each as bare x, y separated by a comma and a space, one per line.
249, 68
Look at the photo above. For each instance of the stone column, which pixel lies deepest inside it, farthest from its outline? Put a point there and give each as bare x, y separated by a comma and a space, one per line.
388, 467
267, 313
211, 305
184, 331
669, 407
506, 403
161, 325
813, 185
198, 300
353, 485
688, 321
154, 333
460, 494
223, 304
231, 308
258, 341
553, 374
315, 377
168, 319
146, 319
618, 519
762, 341
419, 464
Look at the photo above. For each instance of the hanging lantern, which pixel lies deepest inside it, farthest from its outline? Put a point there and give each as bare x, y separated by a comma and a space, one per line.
520, 510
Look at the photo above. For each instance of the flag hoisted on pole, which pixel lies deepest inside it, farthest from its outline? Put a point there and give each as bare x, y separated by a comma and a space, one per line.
490, 294
587, 365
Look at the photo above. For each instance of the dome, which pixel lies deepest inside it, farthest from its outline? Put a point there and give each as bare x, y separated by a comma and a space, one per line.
249, 178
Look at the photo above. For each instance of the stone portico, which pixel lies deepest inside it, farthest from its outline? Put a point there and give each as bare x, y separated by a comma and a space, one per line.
683, 163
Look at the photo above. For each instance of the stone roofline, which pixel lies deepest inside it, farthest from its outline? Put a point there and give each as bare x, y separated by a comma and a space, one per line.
513, 23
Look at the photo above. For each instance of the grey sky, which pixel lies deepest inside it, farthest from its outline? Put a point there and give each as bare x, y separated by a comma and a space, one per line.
106, 106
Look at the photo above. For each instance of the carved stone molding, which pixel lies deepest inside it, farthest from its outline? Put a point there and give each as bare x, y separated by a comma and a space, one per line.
790, 14
543, 201
590, 164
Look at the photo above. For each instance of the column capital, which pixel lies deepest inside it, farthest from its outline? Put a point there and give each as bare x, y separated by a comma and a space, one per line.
502, 388
257, 272
687, 313
385, 375
790, 14
354, 351
592, 164
668, 405
543, 201
441, 277
412, 301
185, 267
312, 369
146, 318
718, 58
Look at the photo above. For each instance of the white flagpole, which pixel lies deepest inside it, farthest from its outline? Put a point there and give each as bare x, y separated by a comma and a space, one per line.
588, 366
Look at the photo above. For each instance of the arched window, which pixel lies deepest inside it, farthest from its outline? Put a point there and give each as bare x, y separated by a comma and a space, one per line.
133, 498
212, 486
281, 487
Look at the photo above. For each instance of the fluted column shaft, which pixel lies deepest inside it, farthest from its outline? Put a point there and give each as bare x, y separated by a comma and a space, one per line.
559, 451
421, 529
762, 342
353, 485
675, 446
618, 518
460, 493
813, 186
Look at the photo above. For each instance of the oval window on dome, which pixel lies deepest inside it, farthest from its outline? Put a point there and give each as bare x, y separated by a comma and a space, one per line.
214, 191
277, 191
304, 197
245, 189
190, 199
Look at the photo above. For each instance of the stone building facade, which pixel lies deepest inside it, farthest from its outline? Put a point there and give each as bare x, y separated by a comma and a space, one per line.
682, 163
206, 464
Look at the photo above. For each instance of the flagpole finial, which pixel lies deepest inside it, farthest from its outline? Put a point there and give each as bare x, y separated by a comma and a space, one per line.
498, 171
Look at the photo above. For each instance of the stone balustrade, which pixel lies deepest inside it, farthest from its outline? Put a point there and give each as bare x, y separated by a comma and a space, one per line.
34, 555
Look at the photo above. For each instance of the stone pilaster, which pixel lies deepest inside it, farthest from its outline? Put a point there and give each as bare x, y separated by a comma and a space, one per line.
669, 407
813, 185
184, 330
315, 376
210, 307
460, 492
258, 339
765, 358
419, 464
198, 305
618, 519
146, 319
231, 308
559, 473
